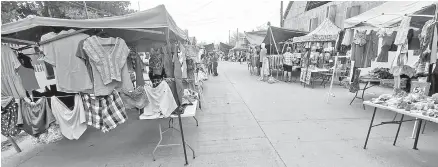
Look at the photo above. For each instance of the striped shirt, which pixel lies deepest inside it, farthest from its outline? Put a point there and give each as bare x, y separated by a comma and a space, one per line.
288, 58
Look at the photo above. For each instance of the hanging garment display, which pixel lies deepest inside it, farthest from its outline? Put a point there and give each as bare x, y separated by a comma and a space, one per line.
386, 40
106, 112
371, 48
182, 59
109, 61
83, 55
71, 72
136, 99
178, 78
358, 49
426, 35
433, 79
354, 87
403, 30
11, 82
156, 62
265, 66
72, 122
167, 62
6, 100
109, 68
140, 80
348, 37
36, 116
161, 102
10, 114
28, 78
25, 61
339, 41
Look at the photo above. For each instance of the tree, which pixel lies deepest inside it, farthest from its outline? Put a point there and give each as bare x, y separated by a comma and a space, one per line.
15, 10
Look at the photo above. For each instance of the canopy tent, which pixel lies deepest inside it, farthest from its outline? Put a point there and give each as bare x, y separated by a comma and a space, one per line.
150, 24
224, 47
256, 37
391, 13
326, 31
209, 47
276, 34
281, 34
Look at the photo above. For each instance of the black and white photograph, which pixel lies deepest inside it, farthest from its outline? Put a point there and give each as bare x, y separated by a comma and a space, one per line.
219, 83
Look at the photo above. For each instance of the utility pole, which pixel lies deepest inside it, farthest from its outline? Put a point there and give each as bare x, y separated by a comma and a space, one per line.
281, 15
138, 6
86, 10
237, 39
229, 37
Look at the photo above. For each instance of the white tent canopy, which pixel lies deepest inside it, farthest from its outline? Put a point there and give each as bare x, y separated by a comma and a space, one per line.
327, 31
391, 13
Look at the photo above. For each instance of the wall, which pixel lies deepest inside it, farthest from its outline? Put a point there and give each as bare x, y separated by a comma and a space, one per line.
298, 18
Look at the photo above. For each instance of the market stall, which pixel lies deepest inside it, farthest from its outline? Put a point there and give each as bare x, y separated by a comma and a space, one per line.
320, 43
104, 55
394, 29
274, 36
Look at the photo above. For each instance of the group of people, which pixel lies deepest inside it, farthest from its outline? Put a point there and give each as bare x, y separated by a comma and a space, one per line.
258, 62
210, 60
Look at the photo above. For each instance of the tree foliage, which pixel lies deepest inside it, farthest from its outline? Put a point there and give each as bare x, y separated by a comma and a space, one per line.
234, 39
15, 10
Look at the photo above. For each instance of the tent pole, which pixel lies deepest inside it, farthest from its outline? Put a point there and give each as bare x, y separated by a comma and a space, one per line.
273, 39
18, 41
333, 77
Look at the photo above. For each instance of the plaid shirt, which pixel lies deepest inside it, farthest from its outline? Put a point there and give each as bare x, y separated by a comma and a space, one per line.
105, 113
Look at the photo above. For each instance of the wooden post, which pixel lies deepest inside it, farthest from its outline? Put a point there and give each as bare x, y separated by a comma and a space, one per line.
17, 148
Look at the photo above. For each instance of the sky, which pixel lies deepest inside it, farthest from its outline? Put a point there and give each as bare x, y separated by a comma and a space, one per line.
211, 20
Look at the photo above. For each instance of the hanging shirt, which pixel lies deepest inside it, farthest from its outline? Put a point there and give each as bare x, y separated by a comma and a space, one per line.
161, 102
108, 67
28, 78
109, 60
72, 122
11, 82
71, 72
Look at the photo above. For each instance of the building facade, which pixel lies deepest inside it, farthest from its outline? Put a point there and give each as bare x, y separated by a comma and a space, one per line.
307, 15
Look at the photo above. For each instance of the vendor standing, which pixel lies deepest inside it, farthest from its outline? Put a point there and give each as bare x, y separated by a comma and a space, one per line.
287, 65
263, 56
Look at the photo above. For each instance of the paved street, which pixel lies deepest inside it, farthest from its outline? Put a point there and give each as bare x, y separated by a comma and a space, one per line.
245, 122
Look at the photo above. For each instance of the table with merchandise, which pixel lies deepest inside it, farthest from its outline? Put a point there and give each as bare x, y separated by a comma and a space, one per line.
419, 107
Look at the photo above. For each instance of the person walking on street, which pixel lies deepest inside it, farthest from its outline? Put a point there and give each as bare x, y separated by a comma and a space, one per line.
263, 61
214, 61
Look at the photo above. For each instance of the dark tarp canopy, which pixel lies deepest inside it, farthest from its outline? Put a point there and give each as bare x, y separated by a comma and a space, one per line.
224, 47
148, 24
209, 47
281, 34
256, 37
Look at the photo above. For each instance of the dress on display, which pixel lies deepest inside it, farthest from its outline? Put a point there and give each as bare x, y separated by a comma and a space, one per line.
11, 82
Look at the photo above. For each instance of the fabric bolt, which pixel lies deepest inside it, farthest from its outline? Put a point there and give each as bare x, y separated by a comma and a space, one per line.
80, 53
71, 73
11, 82
72, 122
28, 78
110, 60
135, 99
403, 31
36, 116
104, 113
9, 119
348, 37
161, 102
